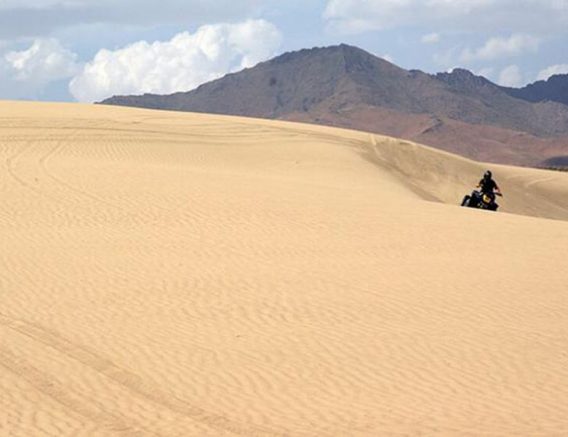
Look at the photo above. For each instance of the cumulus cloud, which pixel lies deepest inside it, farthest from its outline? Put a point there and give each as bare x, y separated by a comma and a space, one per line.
180, 64
356, 16
510, 76
431, 38
496, 48
552, 70
45, 61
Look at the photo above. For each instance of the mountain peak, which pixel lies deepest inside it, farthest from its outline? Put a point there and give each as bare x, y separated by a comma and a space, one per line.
351, 54
554, 89
460, 77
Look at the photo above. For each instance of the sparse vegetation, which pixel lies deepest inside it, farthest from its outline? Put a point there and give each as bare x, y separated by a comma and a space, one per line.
556, 168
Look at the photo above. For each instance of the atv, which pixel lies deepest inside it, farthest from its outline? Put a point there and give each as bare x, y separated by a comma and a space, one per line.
481, 201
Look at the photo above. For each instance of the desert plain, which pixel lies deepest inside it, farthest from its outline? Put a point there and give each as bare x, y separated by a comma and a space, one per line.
174, 274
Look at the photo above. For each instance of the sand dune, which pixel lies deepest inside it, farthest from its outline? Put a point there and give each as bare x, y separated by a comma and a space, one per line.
178, 274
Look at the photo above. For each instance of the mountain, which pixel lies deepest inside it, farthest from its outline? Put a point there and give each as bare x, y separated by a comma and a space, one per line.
555, 89
348, 87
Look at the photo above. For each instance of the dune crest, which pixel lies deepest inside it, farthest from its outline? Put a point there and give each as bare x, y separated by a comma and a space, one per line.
188, 274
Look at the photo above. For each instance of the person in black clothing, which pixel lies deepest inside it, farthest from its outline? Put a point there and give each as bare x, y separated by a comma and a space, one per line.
488, 186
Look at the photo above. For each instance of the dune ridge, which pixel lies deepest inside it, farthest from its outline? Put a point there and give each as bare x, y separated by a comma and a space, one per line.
188, 274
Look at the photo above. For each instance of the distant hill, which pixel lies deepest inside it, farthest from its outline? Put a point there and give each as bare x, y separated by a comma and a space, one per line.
348, 87
555, 89
556, 162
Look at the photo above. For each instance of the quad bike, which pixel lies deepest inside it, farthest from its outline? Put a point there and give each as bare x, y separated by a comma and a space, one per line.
481, 201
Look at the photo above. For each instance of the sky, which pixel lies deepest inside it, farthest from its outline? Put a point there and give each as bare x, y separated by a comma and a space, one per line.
88, 50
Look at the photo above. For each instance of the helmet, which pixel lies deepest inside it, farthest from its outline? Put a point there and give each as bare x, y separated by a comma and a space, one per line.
488, 174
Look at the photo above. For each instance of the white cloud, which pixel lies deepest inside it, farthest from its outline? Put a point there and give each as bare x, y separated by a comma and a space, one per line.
45, 61
510, 76
552, 70
431, 38
356, 16
496, 48
180, 64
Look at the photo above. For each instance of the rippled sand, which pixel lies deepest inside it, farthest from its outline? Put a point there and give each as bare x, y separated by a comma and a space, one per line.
178, 274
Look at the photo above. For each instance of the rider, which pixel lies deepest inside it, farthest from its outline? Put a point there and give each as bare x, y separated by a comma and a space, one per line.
488, 186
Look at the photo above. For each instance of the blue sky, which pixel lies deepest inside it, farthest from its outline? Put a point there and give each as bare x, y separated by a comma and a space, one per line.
87, 50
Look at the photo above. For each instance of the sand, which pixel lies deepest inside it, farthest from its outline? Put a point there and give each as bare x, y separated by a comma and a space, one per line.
172, 274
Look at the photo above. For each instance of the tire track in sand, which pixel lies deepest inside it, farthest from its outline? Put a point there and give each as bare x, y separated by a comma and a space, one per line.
13, 173
124, 378
80, 192
72, 401
9, 163
43, 165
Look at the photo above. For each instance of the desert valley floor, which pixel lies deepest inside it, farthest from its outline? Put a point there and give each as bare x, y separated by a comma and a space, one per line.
174, 274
